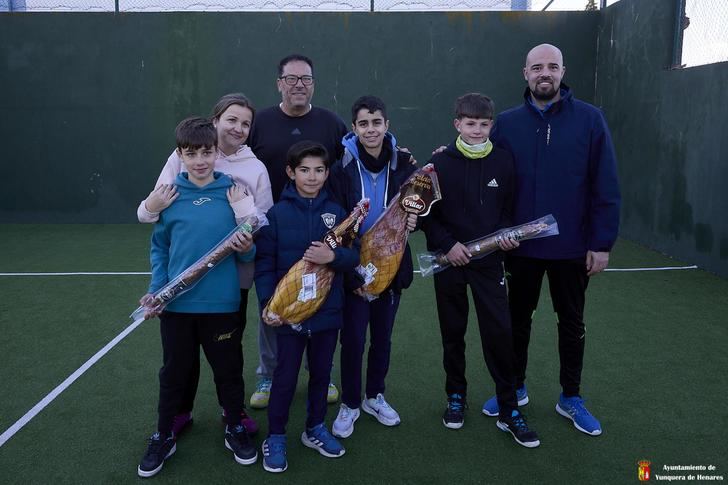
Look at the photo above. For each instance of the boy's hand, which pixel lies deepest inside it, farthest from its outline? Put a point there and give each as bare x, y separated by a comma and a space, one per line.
318, 253
596, 262
440, 149
236, 193
161, 198
271, 318
411, 222
406, 150
242, 242
507, 243
459, 255
150, 311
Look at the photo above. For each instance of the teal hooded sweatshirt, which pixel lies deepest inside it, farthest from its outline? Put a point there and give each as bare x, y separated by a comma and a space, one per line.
196, 221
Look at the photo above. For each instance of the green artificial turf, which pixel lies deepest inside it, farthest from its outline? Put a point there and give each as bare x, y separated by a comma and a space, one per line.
654, 375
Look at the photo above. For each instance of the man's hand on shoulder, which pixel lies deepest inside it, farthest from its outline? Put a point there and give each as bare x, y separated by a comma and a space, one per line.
596, 262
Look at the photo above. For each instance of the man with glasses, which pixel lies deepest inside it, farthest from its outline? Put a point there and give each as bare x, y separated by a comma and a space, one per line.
274, 131
277, 128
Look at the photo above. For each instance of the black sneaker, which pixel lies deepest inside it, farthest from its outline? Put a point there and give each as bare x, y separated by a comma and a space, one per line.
238, 441
454, 416
161, 447
516, 425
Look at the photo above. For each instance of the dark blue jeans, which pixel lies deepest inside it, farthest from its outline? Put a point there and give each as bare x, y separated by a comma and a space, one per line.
359, 314
320, 348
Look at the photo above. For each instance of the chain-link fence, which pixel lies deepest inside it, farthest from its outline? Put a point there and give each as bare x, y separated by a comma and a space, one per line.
705, 34
296, 5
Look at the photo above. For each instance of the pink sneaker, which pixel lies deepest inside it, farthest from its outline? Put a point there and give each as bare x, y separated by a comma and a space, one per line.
251, 425
181, 422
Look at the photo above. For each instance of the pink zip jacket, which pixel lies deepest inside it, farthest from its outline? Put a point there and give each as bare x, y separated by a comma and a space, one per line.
246, 170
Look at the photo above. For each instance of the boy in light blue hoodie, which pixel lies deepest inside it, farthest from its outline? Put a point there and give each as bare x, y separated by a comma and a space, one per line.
207, 314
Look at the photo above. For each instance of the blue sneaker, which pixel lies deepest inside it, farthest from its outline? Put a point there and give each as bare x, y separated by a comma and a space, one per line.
573, 408
274, 453
490, 408
321, 440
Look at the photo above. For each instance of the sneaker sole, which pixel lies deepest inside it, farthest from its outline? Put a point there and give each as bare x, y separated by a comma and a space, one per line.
561, 411
274, 470
527, 444
151, 473
307, 443
453, 425
242, 461
346, 433
521, 402
385, 421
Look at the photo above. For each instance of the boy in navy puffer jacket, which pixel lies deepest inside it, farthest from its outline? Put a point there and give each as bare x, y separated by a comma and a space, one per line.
298, 222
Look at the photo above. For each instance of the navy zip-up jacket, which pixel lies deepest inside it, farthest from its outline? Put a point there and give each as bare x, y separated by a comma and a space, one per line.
294, 223
346, 188
565, 166
476, 200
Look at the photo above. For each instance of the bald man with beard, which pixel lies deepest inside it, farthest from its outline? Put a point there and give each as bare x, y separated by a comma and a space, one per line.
565, 166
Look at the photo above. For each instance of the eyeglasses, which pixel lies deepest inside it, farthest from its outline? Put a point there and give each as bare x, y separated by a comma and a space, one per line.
292, 80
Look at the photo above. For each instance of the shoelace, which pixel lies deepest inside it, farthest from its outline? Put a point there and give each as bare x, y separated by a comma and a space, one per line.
577, 408
381, 402
455, 403
520, 422
155, 443
264, 385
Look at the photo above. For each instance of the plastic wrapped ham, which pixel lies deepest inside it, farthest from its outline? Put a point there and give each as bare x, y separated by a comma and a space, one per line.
383, 245
431, 263
300, 293
189, 277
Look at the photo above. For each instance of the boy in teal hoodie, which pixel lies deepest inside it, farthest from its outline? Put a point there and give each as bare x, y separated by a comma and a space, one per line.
207, 314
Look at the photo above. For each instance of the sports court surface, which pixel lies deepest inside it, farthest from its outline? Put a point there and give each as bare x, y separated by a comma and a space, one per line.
655, 374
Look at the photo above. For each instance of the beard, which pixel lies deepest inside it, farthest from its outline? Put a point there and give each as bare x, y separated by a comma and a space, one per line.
544, 94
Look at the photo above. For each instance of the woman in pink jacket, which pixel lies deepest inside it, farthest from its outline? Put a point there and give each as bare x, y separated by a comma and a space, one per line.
232, 116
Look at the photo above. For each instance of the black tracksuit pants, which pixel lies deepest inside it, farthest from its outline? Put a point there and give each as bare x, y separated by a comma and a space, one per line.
188, 400
487, 283
182, 335
567, 283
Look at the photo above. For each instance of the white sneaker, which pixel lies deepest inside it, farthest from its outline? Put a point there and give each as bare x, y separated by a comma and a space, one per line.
344, 424
380, 409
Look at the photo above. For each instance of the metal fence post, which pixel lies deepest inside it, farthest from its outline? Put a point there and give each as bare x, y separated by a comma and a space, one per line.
677, 43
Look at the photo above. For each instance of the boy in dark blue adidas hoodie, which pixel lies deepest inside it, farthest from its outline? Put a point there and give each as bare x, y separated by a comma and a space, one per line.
207, 314
298, 222
476, 181
371, 167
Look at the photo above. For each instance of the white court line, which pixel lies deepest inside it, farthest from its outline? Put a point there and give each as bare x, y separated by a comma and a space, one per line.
10, 432
86, 273
663, 268
63, 385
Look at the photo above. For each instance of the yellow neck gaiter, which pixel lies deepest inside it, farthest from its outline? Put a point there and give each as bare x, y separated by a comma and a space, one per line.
474, 151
